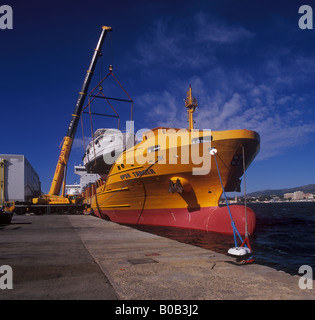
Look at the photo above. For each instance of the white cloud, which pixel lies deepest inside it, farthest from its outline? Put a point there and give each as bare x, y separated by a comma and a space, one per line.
163, 108
166, 45
260, 97
186, 46
280, 128
213, 30
78, 142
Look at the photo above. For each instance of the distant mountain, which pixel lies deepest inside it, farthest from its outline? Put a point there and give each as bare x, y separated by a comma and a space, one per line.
310, 188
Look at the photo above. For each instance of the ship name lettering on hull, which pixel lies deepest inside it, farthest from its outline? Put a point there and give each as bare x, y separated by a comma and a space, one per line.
137, 174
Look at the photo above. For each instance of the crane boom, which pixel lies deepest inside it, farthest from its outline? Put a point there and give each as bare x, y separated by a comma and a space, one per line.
68, 139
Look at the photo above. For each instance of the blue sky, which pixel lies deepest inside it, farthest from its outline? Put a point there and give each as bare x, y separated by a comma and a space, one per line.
249, 64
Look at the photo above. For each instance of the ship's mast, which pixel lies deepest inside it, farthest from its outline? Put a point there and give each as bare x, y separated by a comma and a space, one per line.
191, 105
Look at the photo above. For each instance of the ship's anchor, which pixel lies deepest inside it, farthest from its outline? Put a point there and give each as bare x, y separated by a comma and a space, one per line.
175, 186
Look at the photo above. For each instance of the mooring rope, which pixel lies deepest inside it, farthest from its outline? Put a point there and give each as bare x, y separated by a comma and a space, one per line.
245, 242
245, 200
235, 231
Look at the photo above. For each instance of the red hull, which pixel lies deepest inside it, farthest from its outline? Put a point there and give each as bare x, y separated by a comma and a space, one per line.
214, 219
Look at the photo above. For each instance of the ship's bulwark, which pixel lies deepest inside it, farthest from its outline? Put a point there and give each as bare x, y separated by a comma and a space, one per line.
164, 194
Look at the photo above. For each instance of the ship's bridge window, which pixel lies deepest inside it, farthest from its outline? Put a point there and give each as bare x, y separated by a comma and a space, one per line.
153, 148
201, 139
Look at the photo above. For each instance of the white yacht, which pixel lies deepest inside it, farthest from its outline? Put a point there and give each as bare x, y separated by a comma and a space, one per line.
104, 149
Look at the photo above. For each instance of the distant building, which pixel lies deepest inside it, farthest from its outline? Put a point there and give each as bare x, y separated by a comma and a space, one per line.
298, 195
18, 180
73, 189
288, 196
85, 180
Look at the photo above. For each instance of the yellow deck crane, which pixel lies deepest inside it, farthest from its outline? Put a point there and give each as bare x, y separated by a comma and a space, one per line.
53, 200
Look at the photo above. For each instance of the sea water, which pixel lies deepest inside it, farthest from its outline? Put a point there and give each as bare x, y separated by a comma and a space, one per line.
284, 237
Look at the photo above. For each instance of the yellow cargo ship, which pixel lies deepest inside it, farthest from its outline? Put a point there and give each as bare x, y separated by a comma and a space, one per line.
171, 179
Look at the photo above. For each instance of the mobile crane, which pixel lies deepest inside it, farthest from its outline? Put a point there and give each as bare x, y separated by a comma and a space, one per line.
53, 201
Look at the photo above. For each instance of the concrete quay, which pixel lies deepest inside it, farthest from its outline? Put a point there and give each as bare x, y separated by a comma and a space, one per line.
63, 257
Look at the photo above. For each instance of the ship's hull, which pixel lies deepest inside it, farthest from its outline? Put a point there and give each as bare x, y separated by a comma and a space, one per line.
211, 219
97, 166
166, 194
